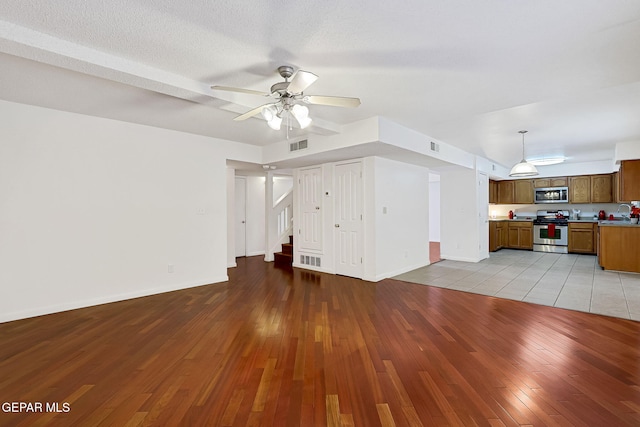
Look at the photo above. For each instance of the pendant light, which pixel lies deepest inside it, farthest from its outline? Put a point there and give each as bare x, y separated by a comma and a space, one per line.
523, 168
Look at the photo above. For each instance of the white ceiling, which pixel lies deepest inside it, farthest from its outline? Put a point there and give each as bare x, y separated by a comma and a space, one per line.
469, 73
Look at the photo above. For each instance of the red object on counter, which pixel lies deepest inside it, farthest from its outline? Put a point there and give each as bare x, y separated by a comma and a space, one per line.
601, 215
610, 217
510, 214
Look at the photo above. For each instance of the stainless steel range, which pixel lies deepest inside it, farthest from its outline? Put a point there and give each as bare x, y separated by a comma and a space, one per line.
551, 232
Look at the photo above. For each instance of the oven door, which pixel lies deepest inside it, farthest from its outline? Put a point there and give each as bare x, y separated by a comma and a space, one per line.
541, 235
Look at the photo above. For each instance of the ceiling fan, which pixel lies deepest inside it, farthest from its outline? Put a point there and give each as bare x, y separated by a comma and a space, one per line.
289, 99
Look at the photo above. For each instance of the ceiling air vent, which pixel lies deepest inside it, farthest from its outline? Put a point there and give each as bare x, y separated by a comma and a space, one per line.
435, 147
300, 145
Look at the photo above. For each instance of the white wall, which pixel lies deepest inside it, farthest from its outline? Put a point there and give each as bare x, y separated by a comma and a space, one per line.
434, 207
627, 151
459, 224
95, 210
281, 185
401, 217
231, 211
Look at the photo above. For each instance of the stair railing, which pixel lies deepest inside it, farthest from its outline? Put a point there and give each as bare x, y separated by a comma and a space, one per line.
279, 224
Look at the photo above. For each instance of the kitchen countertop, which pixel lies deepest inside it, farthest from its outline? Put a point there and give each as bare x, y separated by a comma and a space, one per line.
514, 220
617, 224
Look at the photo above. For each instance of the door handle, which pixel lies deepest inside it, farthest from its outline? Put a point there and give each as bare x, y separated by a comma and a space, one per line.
337, 226
243, 222
317, 208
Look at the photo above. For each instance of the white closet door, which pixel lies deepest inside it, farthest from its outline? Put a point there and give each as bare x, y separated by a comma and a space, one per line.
241, 216
310, 182
348, 219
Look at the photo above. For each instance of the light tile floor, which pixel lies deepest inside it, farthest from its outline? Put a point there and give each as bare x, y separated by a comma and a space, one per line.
574, 282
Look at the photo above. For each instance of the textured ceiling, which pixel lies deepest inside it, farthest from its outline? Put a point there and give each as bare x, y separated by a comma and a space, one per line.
466, 72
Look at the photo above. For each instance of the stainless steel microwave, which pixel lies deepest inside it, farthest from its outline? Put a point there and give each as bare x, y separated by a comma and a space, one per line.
551, 195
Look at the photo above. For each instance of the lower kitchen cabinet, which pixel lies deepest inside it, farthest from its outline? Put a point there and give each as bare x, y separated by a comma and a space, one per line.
497, 235
582, 237
520, 235
619, 248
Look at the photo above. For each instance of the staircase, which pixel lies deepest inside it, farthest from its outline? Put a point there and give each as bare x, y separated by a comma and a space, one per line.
284, 259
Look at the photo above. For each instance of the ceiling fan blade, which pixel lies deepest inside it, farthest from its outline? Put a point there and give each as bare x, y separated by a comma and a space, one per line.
334, 101
240, 90
301, 81
251, 113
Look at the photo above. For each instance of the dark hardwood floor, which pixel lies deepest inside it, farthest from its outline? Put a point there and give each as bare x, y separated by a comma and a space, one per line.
279, 348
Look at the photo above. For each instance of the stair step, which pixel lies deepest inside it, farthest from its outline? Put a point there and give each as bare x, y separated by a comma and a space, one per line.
283, 260
287, 248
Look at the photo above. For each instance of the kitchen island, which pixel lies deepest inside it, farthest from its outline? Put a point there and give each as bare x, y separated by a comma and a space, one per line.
619, 246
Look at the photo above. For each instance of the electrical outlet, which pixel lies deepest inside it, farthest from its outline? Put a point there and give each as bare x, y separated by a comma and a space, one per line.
170, 268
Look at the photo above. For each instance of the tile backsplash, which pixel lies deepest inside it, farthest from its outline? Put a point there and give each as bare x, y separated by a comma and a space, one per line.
586, 210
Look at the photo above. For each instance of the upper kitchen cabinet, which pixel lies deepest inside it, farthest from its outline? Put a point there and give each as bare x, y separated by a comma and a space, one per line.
580, 189
505, 192
523, 191
629, 180
550, 182
602, 188
493, 191
591, 189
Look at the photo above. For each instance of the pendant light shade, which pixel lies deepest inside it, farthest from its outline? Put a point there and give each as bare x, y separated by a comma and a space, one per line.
270, 114
301, 114
523, 168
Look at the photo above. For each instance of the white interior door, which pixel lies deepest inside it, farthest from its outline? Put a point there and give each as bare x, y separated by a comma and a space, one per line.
241, 216
310, 231
348, 219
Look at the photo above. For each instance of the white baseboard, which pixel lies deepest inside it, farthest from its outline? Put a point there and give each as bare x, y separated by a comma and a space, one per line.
455, 258
73, 305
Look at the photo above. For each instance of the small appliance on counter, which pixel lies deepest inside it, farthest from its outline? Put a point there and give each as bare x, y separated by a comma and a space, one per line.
551, 232
602, 215
575, 214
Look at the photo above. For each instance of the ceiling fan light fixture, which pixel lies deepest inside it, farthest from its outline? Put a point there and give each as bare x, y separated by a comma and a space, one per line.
287, 94
275, 122
269, 112
301, 114
523, 168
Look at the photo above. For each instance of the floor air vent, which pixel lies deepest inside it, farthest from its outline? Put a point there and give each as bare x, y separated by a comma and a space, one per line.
310, 260
300, 145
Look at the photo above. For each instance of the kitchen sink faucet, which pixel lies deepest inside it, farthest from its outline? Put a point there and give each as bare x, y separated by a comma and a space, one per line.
628, 217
